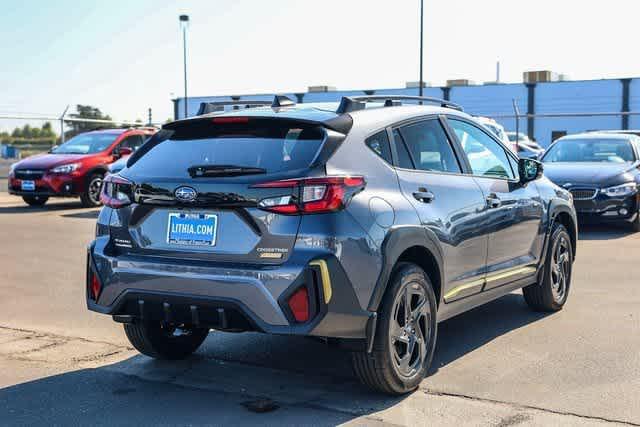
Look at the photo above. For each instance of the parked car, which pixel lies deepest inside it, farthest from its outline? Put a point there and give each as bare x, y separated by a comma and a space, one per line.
525, 147
118, 165
601, 171
121, 163
621, 131
75, 168
498, 131
367, 226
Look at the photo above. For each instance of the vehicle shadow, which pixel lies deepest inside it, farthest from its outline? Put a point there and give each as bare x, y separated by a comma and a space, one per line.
49, 207
604, 232
90, 214
467, 332
298, 373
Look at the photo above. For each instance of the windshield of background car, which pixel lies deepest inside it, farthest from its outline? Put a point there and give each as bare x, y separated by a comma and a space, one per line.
590, 150
274, 149
86, 143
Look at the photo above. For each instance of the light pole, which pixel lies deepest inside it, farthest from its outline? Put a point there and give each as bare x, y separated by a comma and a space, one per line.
421, 42
184, 23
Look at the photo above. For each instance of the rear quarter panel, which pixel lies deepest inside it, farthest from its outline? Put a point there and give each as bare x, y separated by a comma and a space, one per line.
375, 210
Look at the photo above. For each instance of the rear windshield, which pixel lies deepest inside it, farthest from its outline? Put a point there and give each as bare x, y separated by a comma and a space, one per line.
274, 149
590, 150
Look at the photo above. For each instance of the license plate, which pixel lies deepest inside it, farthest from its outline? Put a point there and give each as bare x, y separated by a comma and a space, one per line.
28, 185
195, 229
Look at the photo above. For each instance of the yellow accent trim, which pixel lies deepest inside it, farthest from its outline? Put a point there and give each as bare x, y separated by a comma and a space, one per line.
521, 270
455, 291
478, 282
326, 278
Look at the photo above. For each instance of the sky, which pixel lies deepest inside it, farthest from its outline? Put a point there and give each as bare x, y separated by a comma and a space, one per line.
126, 56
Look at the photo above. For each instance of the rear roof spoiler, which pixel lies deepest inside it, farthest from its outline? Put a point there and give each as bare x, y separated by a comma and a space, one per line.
218, 106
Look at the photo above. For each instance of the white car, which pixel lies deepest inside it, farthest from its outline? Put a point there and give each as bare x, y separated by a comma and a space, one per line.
498, 130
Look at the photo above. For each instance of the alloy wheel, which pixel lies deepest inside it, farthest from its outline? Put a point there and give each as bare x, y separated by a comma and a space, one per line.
410, 330
560, 269
95, 186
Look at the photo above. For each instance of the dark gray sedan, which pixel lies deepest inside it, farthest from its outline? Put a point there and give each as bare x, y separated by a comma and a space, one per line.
601, 171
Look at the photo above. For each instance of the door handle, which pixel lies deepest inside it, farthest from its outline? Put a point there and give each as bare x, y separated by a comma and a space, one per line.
493, 201
424, 195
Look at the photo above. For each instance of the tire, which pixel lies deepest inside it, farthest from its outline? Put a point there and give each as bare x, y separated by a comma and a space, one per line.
551, 293
90, 198
35, 200
160, 342
381, 370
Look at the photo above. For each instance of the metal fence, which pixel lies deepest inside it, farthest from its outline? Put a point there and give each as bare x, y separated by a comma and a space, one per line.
33, 145
549, 126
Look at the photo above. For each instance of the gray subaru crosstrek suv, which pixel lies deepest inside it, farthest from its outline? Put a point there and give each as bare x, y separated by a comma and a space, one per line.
365, 225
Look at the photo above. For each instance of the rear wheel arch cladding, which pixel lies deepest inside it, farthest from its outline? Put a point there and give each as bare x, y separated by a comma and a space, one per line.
397, 241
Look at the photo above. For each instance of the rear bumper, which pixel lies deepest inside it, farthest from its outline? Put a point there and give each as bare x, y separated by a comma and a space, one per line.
225, 297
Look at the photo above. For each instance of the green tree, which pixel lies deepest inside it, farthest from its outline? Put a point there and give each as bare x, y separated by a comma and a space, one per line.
87, 112
17, 133
26, 131
47, 131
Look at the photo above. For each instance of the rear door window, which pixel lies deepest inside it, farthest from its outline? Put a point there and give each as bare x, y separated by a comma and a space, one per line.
273, 148
429, 147
404, 159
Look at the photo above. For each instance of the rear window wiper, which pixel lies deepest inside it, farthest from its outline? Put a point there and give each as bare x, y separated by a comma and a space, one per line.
223, 170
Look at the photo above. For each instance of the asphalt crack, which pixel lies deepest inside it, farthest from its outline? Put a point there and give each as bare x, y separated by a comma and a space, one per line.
527, 407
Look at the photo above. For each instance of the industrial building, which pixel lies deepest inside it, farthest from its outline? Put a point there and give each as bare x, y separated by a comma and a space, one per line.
550, 106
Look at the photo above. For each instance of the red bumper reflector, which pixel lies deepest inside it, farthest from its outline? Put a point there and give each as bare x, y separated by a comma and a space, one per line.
95, 287
299, 304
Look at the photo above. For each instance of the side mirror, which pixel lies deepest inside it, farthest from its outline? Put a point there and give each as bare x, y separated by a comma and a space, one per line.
122, 151
529, 170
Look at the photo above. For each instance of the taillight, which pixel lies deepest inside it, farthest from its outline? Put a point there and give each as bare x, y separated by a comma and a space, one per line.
299, 304
315, 195
116, 192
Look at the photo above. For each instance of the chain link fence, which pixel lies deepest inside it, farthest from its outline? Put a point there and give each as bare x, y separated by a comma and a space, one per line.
17, 147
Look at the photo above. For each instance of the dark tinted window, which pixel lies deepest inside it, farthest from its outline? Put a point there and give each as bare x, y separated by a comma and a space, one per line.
429, 147
134, 142
486, 156
379, 144
404, 159
273, 149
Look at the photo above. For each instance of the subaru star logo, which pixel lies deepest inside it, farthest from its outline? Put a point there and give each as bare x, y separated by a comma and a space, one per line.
186, 194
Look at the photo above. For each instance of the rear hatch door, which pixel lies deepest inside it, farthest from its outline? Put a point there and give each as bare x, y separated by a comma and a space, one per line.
194, 190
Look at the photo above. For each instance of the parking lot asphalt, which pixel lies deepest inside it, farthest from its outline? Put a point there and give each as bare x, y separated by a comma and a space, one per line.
500, 364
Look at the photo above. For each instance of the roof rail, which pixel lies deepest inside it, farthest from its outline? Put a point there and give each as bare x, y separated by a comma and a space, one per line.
355, 103
218, 106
